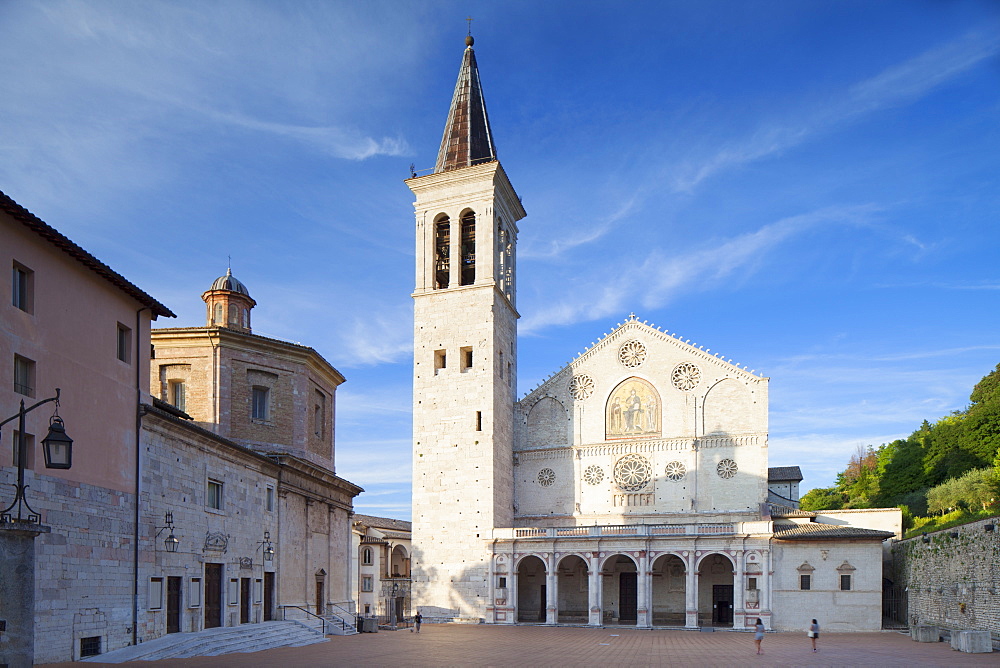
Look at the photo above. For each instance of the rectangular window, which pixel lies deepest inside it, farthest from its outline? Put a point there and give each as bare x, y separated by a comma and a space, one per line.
124, 342
845, 583
366, 583
751, 583
479, 420
234, 591
319, 414
269, 499
466, 357
24, 376
258, 590
214, 496
194, 598
509, 376
29, 448
261, 396
90, 646
440, 360
22, 287
502, 583
178, 394
155, 593
805, 582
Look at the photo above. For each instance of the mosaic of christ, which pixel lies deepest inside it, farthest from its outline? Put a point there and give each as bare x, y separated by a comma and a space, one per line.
633, 411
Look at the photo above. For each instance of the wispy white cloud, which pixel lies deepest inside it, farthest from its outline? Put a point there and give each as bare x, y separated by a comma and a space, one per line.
896, 85
664, 277
377, 338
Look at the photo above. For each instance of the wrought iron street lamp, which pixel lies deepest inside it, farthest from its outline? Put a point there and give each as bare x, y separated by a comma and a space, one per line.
267, 547
170, 542
58, 450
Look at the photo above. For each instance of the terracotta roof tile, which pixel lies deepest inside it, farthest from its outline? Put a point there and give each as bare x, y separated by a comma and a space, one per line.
816, 531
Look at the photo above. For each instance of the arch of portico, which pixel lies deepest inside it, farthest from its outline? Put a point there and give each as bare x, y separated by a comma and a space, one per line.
620, 591
668, 589
716, 591
532, 589
572, 595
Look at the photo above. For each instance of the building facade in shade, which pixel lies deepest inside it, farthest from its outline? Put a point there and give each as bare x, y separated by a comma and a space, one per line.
164, 523
630, 487
274, 401
381, 567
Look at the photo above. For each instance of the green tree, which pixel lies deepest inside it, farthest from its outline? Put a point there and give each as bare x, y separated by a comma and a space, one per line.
822, 498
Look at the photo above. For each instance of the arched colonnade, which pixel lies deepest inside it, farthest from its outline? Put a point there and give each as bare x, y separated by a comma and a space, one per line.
684, 588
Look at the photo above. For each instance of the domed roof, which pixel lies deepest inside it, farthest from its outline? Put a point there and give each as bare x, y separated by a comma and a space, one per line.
231, 283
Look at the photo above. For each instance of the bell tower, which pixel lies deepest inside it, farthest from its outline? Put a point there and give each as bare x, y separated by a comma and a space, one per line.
465, 359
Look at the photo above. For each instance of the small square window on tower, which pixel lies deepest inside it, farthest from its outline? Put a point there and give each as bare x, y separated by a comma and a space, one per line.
466, 357
440, 360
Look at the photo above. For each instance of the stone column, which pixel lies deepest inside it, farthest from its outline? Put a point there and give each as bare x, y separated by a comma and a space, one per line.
17, 592
594, 590
765, 587
512, 592
644, 614
739, 585
691, 591
552, 592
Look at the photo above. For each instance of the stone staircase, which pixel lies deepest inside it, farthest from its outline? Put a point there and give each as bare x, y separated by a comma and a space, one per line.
212, 642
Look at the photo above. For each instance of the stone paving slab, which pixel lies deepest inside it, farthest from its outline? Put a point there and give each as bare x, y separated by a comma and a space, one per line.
536, 646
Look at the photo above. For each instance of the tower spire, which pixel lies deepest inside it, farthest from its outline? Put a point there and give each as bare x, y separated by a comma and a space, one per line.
468, 139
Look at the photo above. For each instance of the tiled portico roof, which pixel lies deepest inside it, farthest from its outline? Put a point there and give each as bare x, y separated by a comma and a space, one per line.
816, 531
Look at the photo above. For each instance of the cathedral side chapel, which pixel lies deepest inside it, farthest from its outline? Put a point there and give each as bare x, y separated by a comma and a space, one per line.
631, 487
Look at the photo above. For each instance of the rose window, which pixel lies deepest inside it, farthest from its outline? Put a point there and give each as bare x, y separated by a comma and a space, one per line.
727, 468
633, 472
676, 471
581, 387
593, 474
546, 477
632, 354
685, 376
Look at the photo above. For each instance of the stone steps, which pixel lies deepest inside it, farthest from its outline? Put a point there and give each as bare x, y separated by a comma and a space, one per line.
213, 642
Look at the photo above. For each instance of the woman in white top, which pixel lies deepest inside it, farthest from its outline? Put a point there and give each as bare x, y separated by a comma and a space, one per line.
814, 633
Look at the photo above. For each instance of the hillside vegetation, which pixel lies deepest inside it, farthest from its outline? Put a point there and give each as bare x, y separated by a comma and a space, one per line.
945, 473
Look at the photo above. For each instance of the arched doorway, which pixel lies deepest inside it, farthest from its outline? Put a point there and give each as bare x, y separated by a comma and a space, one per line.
573, 591
620, 590
715, 590
668, 589
531, 590
321, 592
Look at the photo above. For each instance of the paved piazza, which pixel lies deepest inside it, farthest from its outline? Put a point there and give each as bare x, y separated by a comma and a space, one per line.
533, 646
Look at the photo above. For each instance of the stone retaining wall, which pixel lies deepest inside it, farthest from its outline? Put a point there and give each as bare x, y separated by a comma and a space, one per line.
953, 581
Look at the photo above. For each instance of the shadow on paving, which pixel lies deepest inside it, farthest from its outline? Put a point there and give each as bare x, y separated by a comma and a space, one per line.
533, 646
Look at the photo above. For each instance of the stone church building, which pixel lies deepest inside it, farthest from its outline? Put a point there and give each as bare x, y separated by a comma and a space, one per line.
631, 487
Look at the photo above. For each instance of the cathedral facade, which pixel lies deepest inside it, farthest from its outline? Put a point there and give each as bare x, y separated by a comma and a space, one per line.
631, 487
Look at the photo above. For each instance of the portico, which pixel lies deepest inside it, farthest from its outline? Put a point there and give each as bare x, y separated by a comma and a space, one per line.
637, 575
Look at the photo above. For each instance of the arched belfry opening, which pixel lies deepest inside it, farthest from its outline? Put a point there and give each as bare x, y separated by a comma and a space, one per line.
468, 255
442, 252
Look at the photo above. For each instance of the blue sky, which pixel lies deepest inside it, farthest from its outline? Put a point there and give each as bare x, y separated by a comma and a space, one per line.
808, 188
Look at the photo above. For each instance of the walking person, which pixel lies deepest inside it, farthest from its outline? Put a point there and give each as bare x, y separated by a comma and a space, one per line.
417, 618
814, 633
758, 634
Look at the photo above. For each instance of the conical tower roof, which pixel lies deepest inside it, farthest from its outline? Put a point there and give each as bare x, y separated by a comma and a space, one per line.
468, 139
